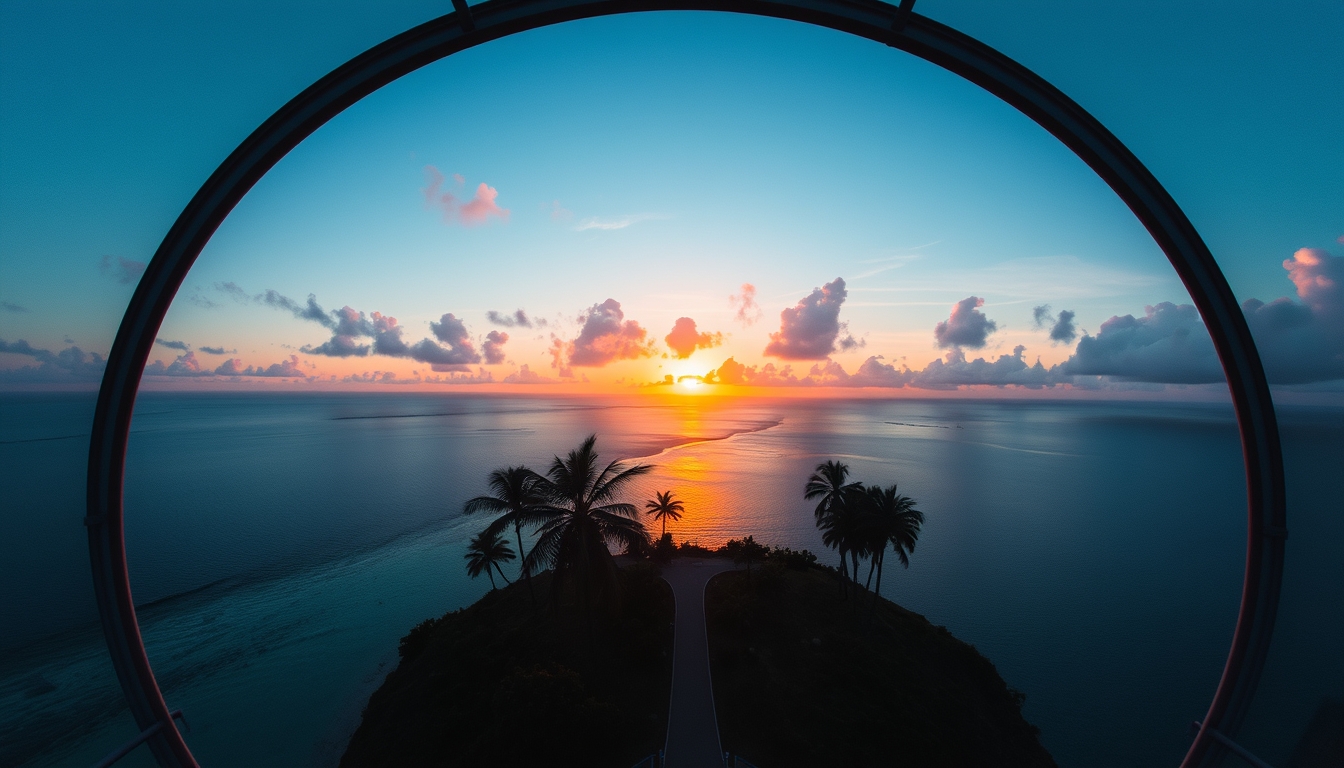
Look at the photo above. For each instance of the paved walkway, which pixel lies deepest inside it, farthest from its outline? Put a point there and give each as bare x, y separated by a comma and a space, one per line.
692, 727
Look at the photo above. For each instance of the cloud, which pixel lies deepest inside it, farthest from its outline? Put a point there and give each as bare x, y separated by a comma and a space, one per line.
494, 347
525, 375
1062, 329
606, 337
1042, 316
309, 311
452, 332
10, 306
178, 345
559, 213
620, 222
218, 351
185, 365
1303, 342
286, 369
348, 326
121, 269
684, 339
482, 206
71, 364
966, 327
233, 291
748, 311
475, 211
808, 331
1168, 344
950, 373
519, 318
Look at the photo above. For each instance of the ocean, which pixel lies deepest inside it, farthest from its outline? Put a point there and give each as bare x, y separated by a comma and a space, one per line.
281, 544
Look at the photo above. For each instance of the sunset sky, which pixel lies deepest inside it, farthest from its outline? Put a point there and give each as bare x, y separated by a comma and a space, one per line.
605, 204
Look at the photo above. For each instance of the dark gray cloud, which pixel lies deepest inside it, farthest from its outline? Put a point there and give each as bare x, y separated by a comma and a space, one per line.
518, 319
121, 269
1042, 316
808, 330
307, 311
181, 346
494, 347
1168, 344
10, 306
606, 337
218, 351
966, 327
684, 338
71, 364
1064, 331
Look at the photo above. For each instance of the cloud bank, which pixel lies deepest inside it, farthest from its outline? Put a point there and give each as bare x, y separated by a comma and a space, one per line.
746, 310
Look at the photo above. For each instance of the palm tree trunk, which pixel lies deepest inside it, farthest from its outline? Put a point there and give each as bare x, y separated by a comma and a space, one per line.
881, 560
501, 574
872, 563
844, 573
854, 555
527, 575
489, 573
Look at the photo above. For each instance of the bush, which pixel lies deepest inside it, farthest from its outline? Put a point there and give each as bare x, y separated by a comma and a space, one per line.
664, 550
794, 560
415, 641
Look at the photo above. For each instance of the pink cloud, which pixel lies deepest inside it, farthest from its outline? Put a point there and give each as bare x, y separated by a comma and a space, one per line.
494, 347
475, 211
482, 207
1318, 277
685, 339
748, 311
606, 337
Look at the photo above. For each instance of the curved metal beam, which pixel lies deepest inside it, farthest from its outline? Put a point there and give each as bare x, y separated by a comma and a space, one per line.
877, 21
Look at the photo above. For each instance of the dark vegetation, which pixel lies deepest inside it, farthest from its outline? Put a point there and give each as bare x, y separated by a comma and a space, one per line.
571, 664
804, 679
504, 683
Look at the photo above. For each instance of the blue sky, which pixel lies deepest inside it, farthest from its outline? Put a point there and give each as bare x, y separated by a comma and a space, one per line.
661, 161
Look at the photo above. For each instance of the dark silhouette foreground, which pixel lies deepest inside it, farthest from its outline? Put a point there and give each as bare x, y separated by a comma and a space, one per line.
507, 683
803, 679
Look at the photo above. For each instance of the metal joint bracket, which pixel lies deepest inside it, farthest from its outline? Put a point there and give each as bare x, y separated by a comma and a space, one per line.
464, 19
903, 16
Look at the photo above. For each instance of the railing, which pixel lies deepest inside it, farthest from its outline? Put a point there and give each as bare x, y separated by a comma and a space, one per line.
652, 761
125, 749
735, 761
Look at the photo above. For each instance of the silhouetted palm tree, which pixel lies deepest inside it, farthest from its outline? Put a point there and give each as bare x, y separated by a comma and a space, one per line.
485, 551
891, 519
580, 519
515, 493
663, 506
836, 512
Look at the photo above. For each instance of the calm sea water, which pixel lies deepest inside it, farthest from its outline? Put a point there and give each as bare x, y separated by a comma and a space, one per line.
283, 543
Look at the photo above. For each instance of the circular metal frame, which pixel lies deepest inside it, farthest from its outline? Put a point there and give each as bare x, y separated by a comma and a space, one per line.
895, 26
